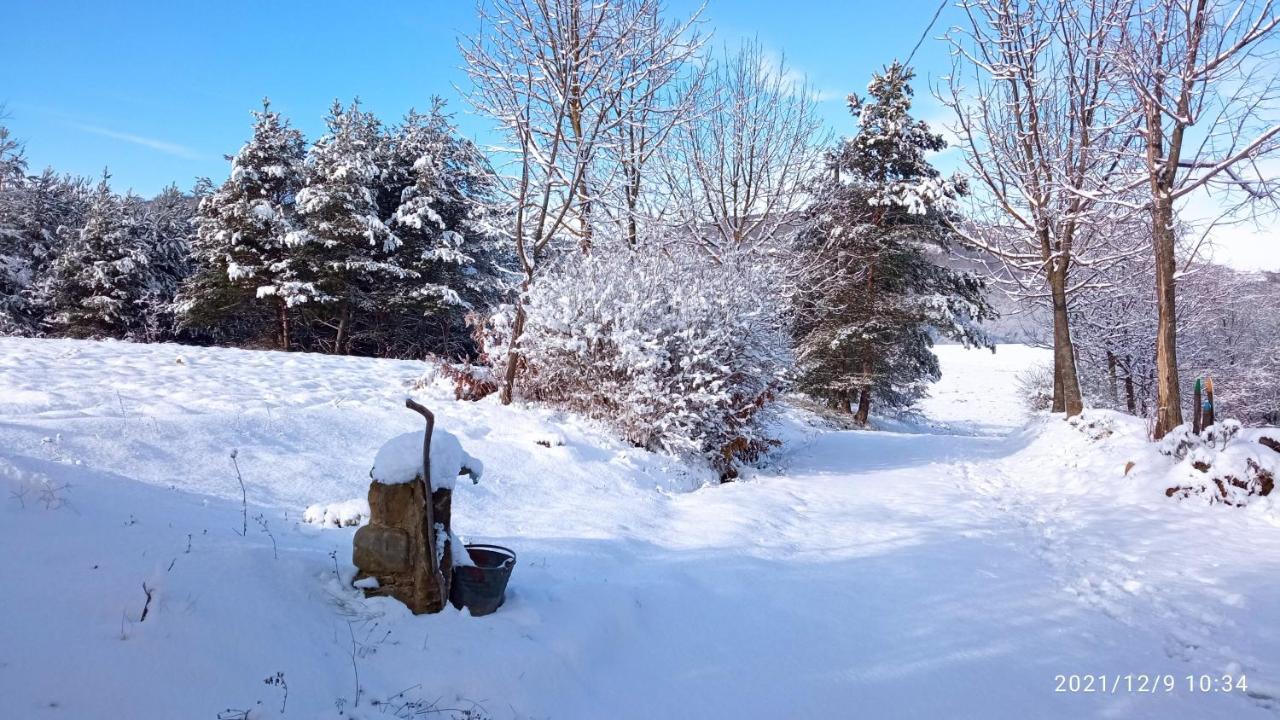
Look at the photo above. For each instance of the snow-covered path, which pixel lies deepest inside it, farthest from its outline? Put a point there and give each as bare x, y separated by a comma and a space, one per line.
951, 570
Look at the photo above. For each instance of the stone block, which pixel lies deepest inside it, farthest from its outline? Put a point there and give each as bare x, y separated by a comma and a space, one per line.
379, 549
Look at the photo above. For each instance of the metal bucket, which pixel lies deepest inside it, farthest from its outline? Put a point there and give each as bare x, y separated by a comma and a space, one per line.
482, 587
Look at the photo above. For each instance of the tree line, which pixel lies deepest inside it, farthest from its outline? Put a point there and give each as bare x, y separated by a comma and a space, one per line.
1088, 125
668, 239
373, 240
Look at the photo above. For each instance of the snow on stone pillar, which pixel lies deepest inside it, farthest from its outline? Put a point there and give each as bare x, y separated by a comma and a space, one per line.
392, 554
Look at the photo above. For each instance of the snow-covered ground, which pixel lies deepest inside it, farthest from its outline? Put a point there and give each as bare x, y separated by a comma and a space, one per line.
948, 570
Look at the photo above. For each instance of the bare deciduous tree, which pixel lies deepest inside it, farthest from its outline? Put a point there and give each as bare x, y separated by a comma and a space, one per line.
1228, 329
568, 82
1041, 126
659, 83
738, 171
1200, 75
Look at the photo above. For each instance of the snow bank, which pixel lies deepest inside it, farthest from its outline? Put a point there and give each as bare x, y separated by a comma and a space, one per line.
1107, 457
947, 571
1223, 464
348, 513
400, 460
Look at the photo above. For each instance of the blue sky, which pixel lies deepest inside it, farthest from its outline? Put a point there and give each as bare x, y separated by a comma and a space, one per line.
161, 91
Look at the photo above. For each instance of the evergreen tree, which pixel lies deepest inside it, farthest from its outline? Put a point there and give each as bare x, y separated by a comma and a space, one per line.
167, 226
35, 215
437, 189
100, 276
877, 289
246, 243
13, 163
348, 249
13, 263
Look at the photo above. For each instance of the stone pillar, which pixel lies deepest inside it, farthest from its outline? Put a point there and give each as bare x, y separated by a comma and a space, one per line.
393, 547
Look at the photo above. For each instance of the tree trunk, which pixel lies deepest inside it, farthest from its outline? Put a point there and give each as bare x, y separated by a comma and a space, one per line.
1064, 354
1168, 396
282, 320
344, 321
1058, 405
864, 396
1128, 385
864, 406
513, 356
1111, 377
576, 106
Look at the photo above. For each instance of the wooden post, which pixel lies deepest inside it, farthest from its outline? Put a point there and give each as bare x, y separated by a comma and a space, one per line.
1198, 413
1208, 402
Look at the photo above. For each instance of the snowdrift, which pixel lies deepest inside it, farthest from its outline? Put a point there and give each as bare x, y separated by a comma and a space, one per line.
951, 569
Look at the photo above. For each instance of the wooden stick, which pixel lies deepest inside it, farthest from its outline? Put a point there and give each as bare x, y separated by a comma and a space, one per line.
1198, 413
426, 479
1210, 411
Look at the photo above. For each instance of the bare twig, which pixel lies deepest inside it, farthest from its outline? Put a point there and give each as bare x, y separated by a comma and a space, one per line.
244, 496
355, 668
146, 606
262, 523
278, 681
124, 416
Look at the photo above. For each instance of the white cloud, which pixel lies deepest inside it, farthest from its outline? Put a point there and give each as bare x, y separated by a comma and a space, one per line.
1239, 241
1247, 248
795, 79
159, 145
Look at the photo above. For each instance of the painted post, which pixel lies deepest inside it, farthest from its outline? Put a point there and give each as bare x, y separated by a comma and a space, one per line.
1208, 402
1197, 415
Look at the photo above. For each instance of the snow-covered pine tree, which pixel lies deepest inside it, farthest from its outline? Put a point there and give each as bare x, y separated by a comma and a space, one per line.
347, 248
13, 163
166, 227
877, 288
13, 168
34, 215
97, 282
245, 247
437, 189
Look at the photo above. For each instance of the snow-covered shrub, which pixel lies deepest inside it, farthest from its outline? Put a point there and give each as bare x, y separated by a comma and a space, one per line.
470, 381
476, 380
1216, 468
1230, 480
1221, 433
1180, 441
677, 353
1269, 442
1094, 426
1035, 387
